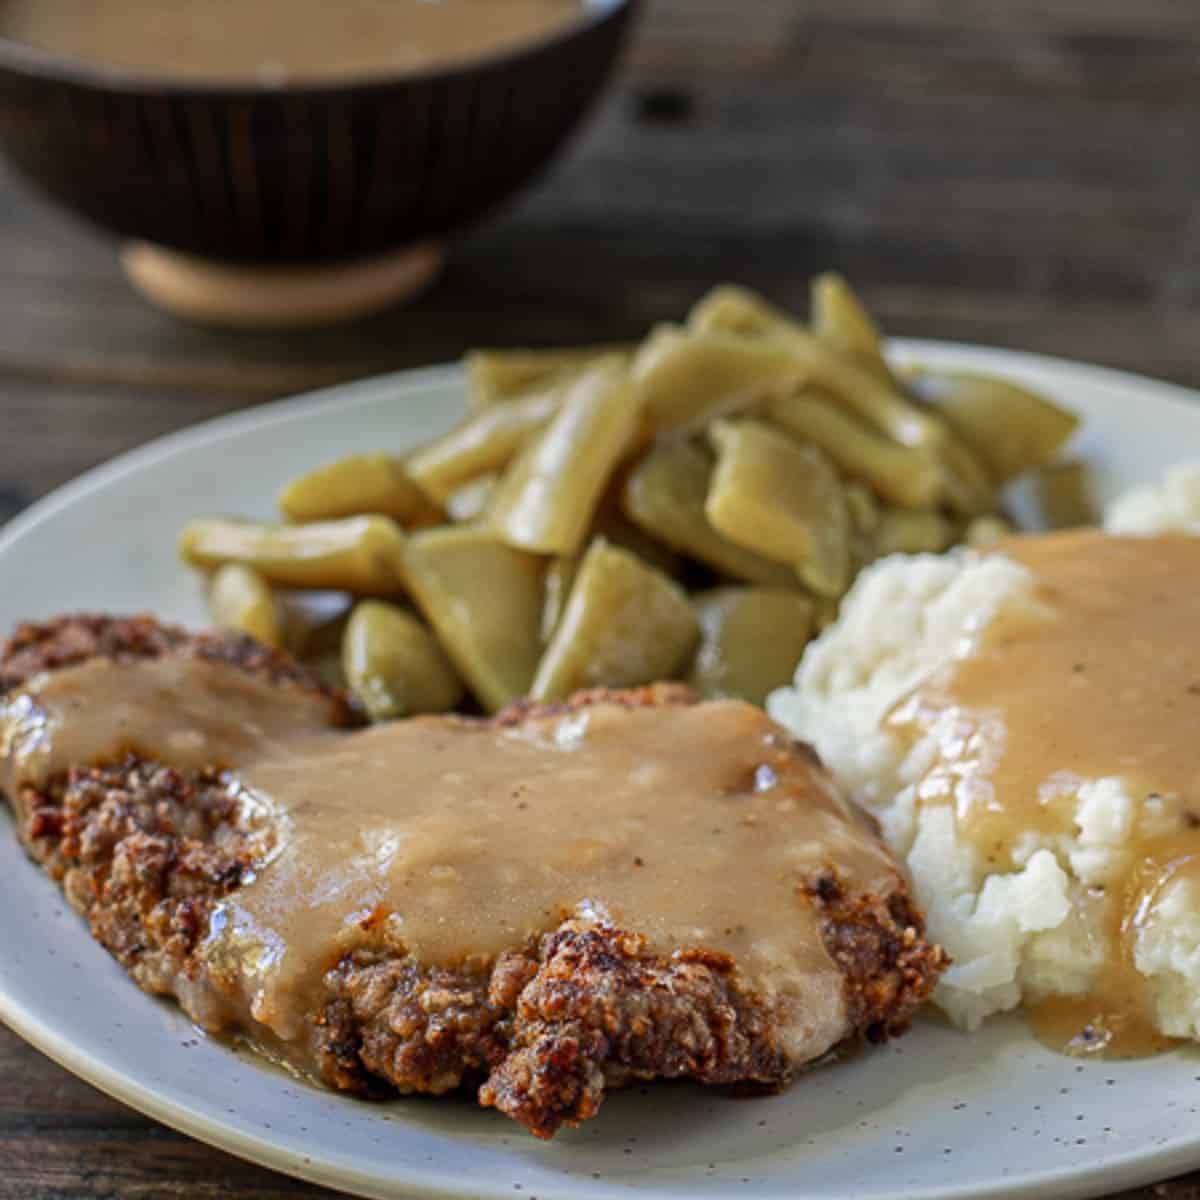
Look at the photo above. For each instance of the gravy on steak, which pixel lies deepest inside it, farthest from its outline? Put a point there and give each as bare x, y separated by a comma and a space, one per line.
456, 839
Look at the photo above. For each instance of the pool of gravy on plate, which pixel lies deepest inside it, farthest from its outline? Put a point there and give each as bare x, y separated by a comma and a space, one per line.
244, 40
1104, 684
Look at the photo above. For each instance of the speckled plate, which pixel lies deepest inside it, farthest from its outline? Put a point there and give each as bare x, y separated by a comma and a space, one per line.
937, 1114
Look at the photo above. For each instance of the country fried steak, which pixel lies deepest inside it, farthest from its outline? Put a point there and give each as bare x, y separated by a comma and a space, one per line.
543, 906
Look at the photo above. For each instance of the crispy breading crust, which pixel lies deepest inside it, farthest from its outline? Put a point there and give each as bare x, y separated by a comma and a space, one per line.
880, 947
144, 852
601, 1010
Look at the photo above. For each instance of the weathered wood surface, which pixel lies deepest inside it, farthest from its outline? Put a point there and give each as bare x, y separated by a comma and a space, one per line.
1018, 173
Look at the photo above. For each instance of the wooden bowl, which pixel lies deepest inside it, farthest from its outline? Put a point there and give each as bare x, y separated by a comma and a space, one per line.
287, 179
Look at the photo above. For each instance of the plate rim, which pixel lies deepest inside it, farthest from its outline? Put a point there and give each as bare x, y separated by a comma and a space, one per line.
1126, 1169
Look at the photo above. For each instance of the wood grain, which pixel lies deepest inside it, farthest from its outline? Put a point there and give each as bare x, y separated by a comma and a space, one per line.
60, 1138
1021, 174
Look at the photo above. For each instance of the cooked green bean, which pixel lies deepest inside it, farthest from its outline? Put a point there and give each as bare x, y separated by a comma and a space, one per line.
750, 640
878, 402
358, 486
728, 308
908, 476
394, 665
239, 598
862, 508
1063, 495
1010, 428
903, 531
839, 318
625, 623
313, 622
843, 358
358, 554
781, 499
546, 500
986, 531
327, 667
496, 376
685, 379
560, 578
871, 394
482, 444
864, 512
615, 527
471, 500
746, 452
966, 488
665, 495
483, 599
826, 612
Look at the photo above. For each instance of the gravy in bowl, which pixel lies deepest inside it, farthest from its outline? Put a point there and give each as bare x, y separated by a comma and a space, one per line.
239, 41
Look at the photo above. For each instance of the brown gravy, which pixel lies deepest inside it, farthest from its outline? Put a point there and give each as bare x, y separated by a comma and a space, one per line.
188, 712
455, 840
1107, 685
274, 40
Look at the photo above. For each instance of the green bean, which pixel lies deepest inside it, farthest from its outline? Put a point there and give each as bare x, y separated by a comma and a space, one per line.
394, 665
624, 624
358, 486
987, 531
665, 495
327, 667
839, 318
560, 578
483, 599
239, 598
903, 475
482, 444
1063, 495
546, 501
1009, 428
685, 379
470, 502
861, 507
871, 394
781, 499
313, 622
864, 513
732, 309
878, 402
616, 528
903, 531
826, 612
497, 376
966, 488
358, 554
751, 640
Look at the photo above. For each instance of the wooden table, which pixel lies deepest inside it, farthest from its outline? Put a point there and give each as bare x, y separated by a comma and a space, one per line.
983, 171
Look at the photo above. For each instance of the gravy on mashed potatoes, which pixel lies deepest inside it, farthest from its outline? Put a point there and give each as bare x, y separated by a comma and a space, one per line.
239, 40
1035, 760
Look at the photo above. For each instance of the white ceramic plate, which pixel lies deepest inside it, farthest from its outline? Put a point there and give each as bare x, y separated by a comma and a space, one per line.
936, 1114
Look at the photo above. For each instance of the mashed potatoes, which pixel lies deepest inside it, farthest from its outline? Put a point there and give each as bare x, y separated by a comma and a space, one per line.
1173, 505
1037, 921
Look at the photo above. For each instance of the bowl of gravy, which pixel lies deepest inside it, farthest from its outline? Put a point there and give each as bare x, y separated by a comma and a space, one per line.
293, 161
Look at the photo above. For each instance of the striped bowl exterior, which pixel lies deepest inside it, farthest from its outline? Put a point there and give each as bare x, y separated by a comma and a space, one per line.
304, 174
